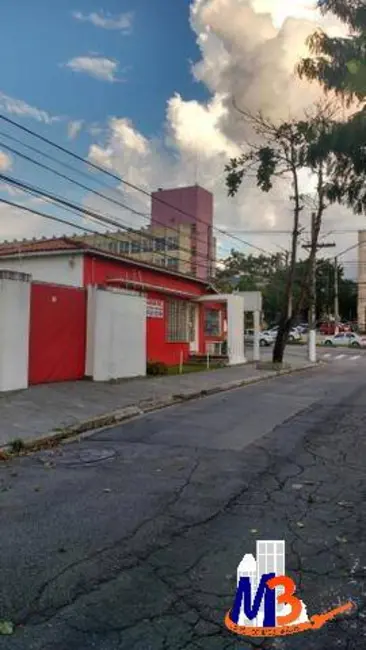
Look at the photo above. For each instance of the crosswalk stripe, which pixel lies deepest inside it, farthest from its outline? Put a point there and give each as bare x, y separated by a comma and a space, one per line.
356, 357
326, 356
340, 356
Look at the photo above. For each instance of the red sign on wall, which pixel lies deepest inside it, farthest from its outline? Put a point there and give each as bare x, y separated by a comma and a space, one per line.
155, 309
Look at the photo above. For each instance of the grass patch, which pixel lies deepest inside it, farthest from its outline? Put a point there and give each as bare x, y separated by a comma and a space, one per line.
194, 367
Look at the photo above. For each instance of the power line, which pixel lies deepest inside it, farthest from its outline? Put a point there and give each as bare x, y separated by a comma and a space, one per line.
38, 213
75, 182
121, 180
72, 207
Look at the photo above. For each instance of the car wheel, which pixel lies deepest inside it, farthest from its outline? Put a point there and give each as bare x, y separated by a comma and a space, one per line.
263, 343
355, 345
291, 338
328, 343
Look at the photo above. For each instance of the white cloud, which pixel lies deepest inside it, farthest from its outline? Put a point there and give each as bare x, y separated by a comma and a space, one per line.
19, 107
95, 66
73, 128
244, 53
5, 161
121, 22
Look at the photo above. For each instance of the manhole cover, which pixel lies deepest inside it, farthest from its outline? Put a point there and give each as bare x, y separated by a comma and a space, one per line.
85, 456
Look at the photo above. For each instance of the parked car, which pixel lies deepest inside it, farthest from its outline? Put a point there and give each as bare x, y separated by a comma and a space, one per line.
264, 338
294, 334
346, 338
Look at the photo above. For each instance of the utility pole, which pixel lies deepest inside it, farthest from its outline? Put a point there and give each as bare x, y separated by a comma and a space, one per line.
312, 246
336, 290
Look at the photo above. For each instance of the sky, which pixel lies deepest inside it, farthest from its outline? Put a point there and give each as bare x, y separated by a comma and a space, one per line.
145, 89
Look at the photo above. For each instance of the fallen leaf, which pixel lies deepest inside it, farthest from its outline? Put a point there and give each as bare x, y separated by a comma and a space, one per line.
342, 540
6, 628
300, 524
107, 490
37, 488
343, 504
253, 530
297, 486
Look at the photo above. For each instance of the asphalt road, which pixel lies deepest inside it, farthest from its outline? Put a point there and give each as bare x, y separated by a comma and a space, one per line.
131, 539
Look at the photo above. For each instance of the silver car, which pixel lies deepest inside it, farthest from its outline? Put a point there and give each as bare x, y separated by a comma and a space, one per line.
346, 338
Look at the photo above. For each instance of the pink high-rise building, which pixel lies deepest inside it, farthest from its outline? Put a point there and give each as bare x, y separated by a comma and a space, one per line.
191, 207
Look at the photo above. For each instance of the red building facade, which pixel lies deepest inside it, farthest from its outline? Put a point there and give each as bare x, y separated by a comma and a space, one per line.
62, 270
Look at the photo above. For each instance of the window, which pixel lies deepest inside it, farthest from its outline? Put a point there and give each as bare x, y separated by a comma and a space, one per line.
135, 247
177, 325
159, 244
172, 263
172, 243
124, 247
147, 245
212, 322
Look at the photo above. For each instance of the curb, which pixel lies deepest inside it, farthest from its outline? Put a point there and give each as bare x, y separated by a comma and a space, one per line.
119, 416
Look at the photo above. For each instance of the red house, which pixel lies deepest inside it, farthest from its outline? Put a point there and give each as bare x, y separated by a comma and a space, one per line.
91, 309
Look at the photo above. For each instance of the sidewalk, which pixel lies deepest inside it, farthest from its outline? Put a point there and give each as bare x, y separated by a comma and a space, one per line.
80, 406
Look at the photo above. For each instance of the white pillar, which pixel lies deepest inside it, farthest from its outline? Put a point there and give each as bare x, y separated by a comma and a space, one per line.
235, 327
312, 346
15, 289
256, 345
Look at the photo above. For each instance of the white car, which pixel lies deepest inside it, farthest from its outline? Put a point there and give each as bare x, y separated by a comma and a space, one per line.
264, 338
346, 338
294, 334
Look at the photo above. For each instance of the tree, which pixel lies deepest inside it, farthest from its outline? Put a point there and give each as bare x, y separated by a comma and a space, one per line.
272, 287
286, 149
339, 64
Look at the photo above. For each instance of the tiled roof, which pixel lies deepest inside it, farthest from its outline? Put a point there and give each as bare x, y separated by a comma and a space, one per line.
70, 244
39, 246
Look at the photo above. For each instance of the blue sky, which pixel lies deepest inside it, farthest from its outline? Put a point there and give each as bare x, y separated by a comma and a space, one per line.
69, 66
37, 42
81, 64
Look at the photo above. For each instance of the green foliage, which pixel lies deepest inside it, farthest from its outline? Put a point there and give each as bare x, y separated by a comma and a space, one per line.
339, 64
268, 275
156, 368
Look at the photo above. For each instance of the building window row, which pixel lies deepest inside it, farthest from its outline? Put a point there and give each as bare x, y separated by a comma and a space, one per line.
145, 245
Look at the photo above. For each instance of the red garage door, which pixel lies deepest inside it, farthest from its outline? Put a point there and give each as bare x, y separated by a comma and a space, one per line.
57, 337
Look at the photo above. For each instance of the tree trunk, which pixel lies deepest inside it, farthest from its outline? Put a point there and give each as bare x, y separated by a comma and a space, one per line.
281, 339
287, 317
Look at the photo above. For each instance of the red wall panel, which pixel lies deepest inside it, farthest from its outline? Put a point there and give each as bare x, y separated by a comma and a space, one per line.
99, 270
158, 348
57, 339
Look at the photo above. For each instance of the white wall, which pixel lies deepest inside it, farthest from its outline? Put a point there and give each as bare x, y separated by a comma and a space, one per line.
116, 335
14, 333
235, 331
57, 269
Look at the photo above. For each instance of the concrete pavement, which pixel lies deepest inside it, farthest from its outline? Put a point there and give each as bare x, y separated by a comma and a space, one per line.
130, 540
51, 409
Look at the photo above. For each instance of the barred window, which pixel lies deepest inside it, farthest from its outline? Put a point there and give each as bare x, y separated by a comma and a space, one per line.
177, 324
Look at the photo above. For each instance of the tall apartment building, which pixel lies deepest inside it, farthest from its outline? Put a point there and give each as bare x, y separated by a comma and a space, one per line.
192, 207
179, 237
361, 281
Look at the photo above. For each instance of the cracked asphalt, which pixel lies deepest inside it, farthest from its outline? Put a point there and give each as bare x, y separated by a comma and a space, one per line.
130, 540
